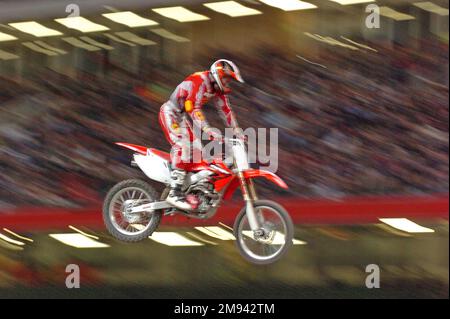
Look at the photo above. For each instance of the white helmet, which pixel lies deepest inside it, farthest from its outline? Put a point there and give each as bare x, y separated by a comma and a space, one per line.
224, 68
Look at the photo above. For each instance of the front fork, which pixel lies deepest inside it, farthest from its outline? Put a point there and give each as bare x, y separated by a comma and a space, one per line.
249, 193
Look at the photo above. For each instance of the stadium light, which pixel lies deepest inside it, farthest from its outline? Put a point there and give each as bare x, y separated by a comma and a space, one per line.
231, 8
6, 37
81, 24
78, 241
431, 7
180, 14
130, 19
34, 28
289, 5
349, 2
173, 239
406, 225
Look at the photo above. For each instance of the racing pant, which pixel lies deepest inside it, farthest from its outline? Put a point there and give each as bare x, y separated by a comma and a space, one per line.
180, 135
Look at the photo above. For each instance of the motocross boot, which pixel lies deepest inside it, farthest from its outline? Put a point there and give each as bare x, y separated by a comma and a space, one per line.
176, 197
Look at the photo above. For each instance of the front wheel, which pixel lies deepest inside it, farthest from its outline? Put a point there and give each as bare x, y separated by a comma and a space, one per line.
272, 240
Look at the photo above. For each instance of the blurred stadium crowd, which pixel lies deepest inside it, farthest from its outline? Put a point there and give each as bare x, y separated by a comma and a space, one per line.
361, 122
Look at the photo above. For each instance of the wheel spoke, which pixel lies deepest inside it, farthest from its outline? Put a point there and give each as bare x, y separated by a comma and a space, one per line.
123, 223
126, 223
265, 249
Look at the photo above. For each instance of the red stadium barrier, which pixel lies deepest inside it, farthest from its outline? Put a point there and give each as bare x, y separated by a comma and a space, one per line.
351, 210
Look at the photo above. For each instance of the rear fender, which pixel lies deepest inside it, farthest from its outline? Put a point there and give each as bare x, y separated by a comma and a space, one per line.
137, 148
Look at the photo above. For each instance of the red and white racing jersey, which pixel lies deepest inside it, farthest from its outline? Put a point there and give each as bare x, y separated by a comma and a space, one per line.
190, 96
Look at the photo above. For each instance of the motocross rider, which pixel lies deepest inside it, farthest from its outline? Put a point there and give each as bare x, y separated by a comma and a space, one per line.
187, 102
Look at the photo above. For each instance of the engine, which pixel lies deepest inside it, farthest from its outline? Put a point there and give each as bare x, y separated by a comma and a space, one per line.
202, 196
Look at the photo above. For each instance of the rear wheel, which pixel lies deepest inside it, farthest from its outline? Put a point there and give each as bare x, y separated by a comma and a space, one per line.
272, 240
120, 221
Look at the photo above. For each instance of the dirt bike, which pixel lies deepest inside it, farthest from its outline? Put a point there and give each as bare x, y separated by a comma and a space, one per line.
133, 209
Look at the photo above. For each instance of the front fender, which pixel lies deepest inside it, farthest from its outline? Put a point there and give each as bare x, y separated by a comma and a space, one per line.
252, 173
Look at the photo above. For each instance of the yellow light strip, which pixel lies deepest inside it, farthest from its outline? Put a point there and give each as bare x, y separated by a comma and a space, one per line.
117, 39
36, 48
359, 44
49, 47
34, 28
330, 41
310, 62
130, 19
231, 8
406, 225
78, 241
83, 233
225, 226
80, 44
289, 5
96, 43
333, 41
17, 235
349, 2
7, 56
11, 241
180, 14
6, 37
81, 24
173, 239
